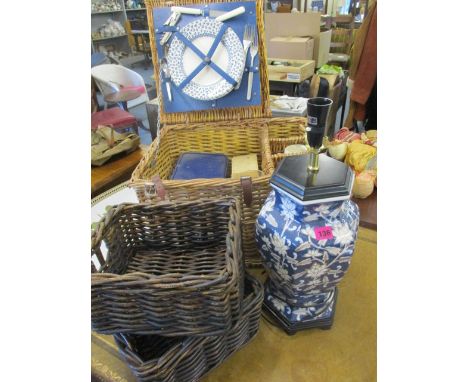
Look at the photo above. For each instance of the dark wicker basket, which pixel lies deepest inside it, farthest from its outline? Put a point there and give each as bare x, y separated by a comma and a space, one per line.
156, 359
173, 269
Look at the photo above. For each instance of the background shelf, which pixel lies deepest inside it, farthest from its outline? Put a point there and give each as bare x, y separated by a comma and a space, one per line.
108, 38
104, 12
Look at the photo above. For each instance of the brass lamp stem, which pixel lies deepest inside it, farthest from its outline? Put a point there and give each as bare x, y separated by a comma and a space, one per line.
313, 159
314, 152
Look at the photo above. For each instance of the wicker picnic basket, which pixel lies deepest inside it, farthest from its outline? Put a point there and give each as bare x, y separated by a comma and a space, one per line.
162, 359
231, 131
226, 114
171, 269
232, 138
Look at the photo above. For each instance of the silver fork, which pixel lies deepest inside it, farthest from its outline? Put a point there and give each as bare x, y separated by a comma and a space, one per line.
246, 44
252, 36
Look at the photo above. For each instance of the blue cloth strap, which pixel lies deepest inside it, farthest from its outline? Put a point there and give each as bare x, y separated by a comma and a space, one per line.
217, 40
189, 44
166, 28
206, 59
192, 75
223, 74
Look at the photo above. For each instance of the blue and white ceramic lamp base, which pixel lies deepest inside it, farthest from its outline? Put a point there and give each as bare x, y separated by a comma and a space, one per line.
306, 250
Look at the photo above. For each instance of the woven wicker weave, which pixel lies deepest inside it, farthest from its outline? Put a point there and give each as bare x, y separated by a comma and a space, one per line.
283, 132
227, 114
228, 137
160, 359
172, 269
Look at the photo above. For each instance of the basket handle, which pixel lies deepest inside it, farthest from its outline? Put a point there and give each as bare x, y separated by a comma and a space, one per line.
246, 184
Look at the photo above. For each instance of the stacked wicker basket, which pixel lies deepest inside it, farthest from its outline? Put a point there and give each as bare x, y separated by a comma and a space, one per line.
232, 131
168, 283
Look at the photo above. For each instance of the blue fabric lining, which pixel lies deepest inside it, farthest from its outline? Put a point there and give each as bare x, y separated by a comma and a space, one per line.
236, 98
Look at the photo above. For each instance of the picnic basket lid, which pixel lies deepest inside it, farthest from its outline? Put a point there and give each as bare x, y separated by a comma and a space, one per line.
222, 114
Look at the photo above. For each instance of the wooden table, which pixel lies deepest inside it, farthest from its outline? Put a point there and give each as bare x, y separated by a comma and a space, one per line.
368, 211
114, 172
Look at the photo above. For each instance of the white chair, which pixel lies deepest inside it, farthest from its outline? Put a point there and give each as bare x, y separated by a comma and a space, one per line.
110, 78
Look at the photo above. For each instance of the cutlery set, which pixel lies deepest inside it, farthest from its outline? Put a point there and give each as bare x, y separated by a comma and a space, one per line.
225, 63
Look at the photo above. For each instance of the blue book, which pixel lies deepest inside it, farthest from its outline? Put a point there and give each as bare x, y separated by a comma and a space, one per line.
200, 165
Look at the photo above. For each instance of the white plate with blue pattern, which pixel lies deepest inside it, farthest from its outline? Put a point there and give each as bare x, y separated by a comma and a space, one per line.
229, 56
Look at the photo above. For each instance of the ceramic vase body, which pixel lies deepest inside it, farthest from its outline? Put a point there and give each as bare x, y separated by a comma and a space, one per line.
304, 269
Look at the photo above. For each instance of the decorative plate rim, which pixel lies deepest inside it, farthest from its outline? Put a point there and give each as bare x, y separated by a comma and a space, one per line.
232, 43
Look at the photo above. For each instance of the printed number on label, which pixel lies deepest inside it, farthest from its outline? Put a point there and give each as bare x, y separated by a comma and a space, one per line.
323, 233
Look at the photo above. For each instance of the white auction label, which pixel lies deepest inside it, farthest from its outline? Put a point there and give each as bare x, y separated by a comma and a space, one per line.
293, 76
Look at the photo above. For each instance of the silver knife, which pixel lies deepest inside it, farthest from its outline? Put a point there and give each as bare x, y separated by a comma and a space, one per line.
167, 77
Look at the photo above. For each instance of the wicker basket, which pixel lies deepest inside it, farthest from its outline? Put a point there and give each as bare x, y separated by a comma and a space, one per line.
157, 359
231, 131
283, 132
171, 269
228, 137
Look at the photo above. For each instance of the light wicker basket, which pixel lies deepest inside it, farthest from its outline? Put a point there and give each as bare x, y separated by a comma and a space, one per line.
283, 132
171, 269
281, 135
161, 359
228, 137
231, 131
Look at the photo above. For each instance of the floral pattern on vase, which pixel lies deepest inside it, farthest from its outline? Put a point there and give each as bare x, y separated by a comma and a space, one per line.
304, 270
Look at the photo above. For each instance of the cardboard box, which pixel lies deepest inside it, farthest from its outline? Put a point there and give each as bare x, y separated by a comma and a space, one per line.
297, 48
294, 71
284, 8
322, 48
292, 24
